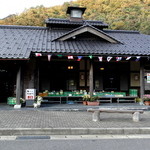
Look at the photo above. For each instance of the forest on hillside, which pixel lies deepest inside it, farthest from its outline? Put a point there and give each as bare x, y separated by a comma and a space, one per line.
119, 14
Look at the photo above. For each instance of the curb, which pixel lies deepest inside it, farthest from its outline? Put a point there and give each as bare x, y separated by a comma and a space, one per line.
73, 131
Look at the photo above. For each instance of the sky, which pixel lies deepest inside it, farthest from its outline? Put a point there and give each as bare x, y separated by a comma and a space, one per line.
8, 7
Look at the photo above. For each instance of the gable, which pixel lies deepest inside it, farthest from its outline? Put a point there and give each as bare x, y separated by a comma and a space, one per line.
87, 29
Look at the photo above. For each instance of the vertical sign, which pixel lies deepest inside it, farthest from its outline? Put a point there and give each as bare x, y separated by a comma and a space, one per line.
30, 94
148, 77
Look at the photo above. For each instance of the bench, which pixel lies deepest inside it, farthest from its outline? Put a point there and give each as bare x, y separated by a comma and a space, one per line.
96, 113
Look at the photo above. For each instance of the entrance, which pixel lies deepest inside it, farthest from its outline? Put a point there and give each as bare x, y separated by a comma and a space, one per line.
111, 82
111, 76
59, 75
7, 81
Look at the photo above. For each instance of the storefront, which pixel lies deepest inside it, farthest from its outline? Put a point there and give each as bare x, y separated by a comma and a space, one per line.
74, 55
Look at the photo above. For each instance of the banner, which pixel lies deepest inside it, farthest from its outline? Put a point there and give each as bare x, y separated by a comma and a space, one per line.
70, 57
128, 58
118, 58
38, 54
79, 58
137, 58
109, 58
49, 57
100, 58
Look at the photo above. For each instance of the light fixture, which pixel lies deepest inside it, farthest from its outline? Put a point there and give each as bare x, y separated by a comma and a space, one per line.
101, 68
70, 67
74, 37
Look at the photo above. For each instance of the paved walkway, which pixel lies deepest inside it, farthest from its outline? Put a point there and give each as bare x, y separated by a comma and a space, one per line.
67, 117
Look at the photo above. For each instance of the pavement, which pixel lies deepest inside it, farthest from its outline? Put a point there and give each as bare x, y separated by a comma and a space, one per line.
65, 119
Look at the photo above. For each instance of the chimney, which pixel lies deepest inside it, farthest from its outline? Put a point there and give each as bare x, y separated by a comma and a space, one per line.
76, 13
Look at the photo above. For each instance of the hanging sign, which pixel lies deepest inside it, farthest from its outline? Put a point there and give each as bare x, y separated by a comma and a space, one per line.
148, 77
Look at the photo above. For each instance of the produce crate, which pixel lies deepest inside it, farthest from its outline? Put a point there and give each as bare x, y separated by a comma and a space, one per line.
11, 100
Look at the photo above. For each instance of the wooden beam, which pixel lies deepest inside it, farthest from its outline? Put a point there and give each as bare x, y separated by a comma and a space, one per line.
142, 87
91, 86
18, 87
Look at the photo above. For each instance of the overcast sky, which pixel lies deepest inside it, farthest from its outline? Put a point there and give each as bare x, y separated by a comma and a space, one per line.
8, 7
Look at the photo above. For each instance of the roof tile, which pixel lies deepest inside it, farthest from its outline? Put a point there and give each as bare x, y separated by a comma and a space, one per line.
18, 42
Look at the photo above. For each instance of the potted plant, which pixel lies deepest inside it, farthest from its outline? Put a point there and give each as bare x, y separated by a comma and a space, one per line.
91, 100
85, 98
37, 102
22, 102
146, 99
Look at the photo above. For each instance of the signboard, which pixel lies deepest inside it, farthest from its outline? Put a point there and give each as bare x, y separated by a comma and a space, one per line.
148, 77
30, 94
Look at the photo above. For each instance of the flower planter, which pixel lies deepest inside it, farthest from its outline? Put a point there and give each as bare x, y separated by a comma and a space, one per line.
84, 102
93, 103
147, 102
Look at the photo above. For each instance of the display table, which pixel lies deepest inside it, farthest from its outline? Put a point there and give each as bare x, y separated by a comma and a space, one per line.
58, 99
127, 99
68, 96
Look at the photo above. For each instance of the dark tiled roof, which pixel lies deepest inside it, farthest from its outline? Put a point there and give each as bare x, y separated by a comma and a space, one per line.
55, 21
18, 42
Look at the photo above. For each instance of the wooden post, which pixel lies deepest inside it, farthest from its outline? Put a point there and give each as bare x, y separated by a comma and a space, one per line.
18, 87
141, 80
91, 86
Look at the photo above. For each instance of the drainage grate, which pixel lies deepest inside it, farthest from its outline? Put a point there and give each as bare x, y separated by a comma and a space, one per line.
33, 138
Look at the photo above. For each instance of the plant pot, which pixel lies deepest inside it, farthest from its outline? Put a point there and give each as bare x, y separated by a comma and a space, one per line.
147, 102
84, 102
96, 103
39, 103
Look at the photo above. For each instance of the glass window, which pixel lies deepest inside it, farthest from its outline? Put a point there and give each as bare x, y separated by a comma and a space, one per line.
76, 13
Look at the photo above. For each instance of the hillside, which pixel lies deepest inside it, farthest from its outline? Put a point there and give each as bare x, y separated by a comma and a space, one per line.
119, 14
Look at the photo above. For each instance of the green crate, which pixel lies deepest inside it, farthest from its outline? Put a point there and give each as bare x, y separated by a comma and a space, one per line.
133, 92
11, 100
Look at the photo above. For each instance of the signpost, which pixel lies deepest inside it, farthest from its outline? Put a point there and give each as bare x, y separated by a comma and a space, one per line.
30, 96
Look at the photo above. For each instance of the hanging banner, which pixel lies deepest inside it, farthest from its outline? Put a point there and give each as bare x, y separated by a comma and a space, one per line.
38, 54
118, 58
128, 58
109, 58
90, 56
79, 58
49, 57
60, 56
137, 58
70, 57
100, 58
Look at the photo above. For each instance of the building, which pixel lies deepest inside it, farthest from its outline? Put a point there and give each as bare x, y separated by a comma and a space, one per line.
72, 54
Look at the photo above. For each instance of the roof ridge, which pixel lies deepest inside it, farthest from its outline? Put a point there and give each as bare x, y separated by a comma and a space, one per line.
122, 31
60, 20
22, 27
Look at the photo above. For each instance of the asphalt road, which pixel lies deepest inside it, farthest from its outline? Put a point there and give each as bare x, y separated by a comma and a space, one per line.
76, 144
